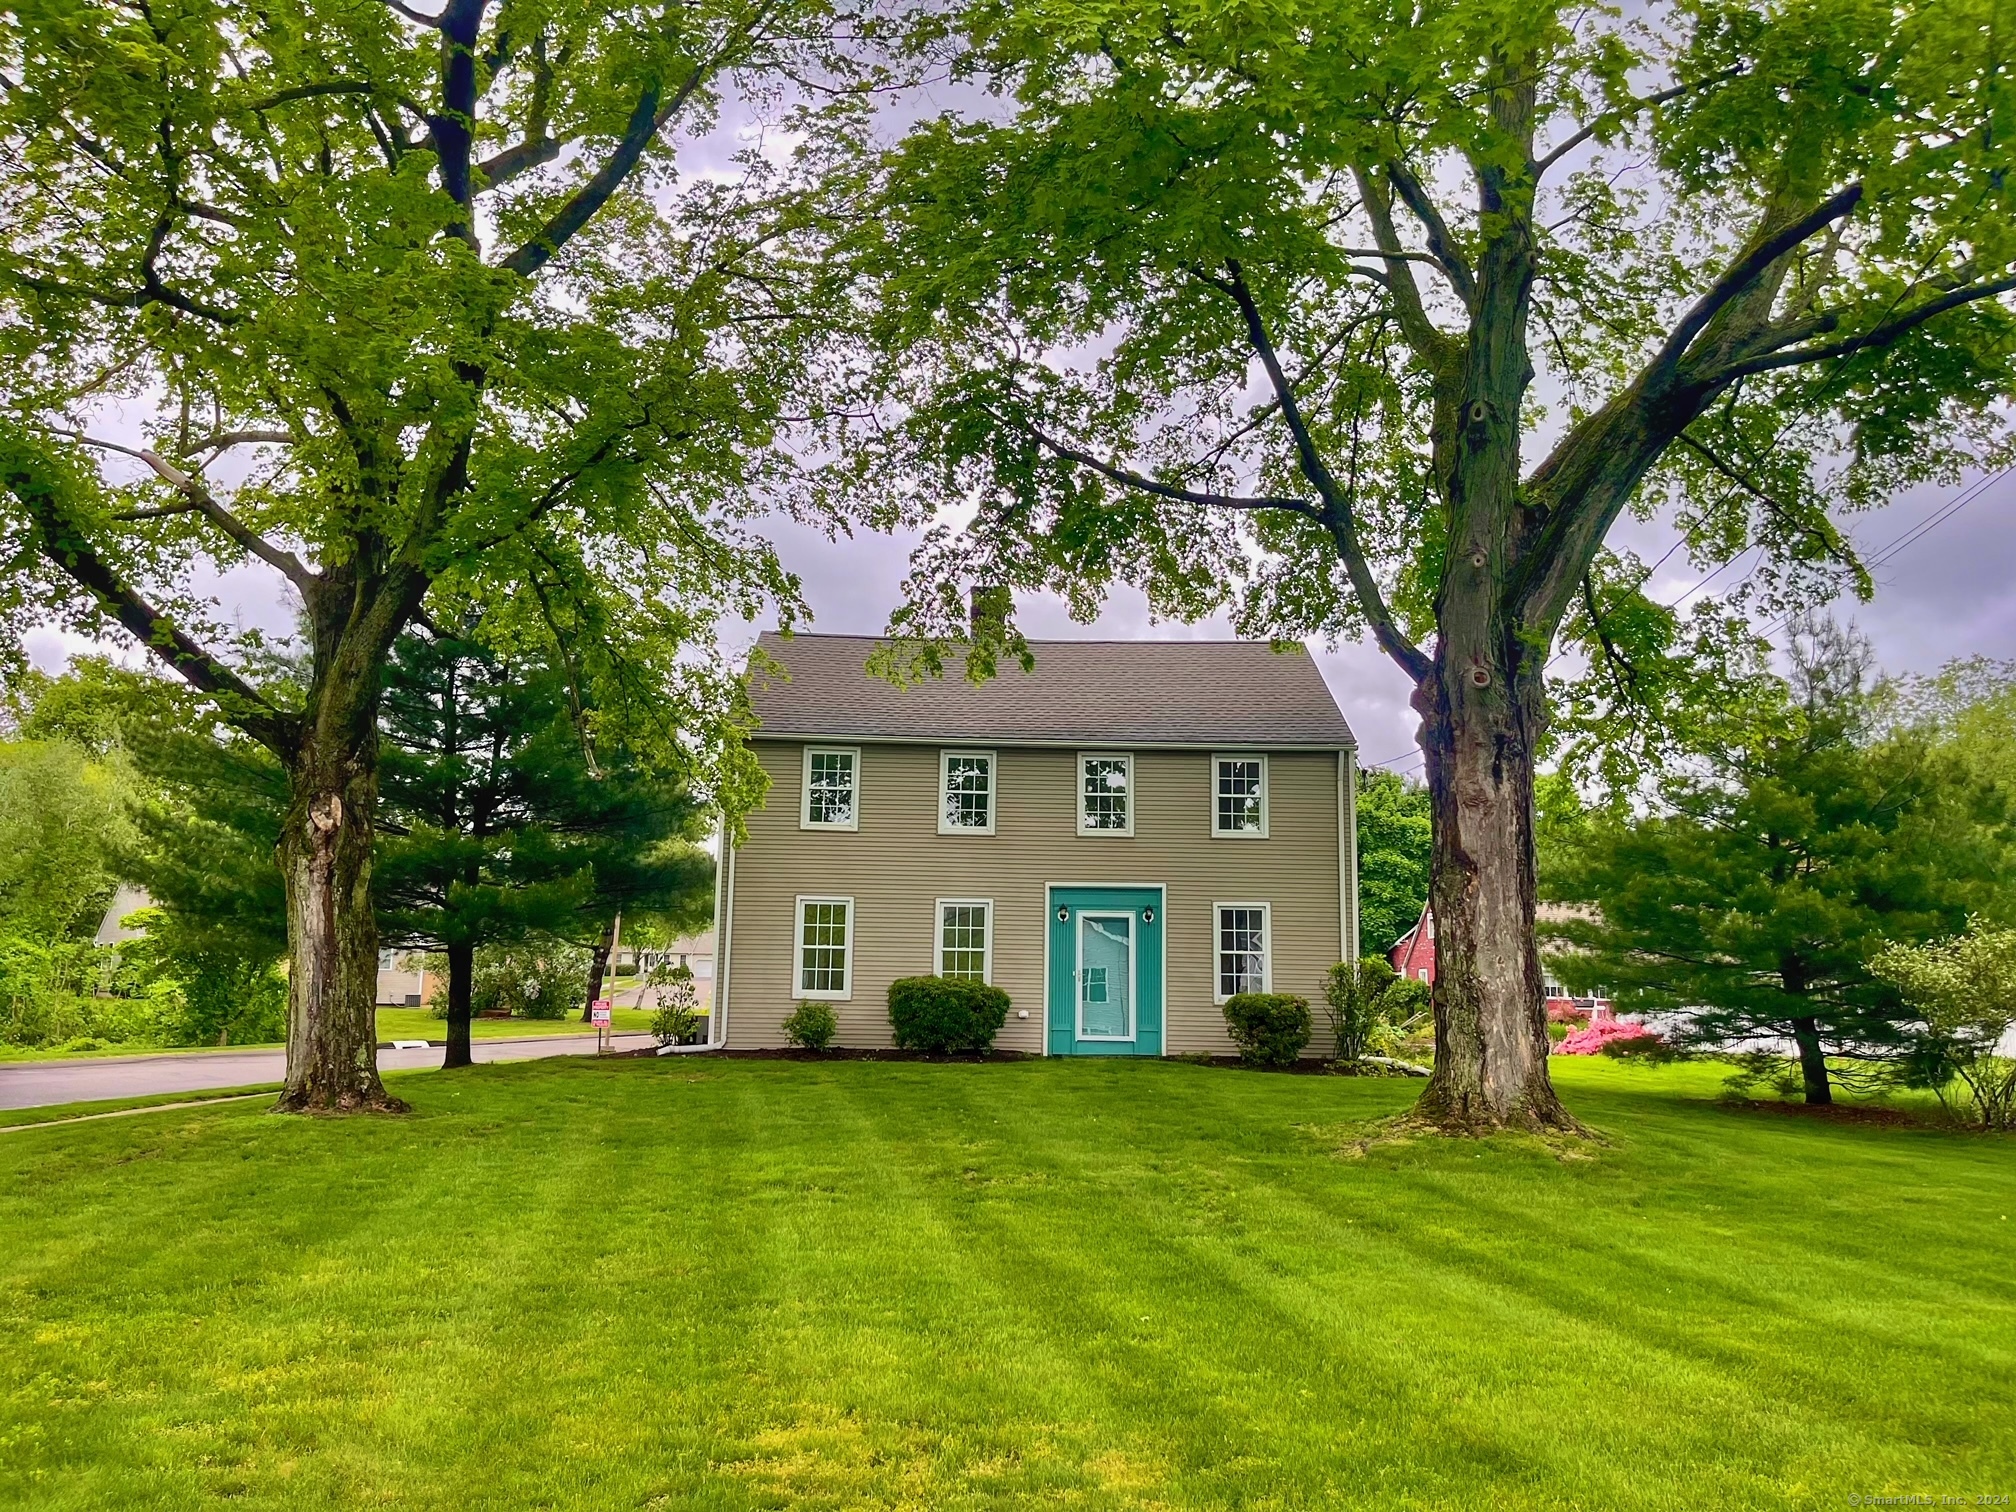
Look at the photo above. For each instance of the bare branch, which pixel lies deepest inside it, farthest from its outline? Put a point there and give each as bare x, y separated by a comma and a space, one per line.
1337, 511
225, 439
512, 161
1631, 108
201, 501
1442, 246
1154, 486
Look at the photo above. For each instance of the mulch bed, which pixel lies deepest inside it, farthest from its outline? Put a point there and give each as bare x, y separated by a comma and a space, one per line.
1229, 1062
1846, 1113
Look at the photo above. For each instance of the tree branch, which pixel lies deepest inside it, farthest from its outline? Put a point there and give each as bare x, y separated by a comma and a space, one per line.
1745, 271
1631, 108
647, 118
1337, 511
1442, 246
1879, 336
201, 501
419, 18
1432, 345
506, 165
224, 439
1829, 542
67, 549
1150, 485
1619, 664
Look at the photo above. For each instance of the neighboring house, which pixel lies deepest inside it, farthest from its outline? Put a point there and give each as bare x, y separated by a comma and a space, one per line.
403, 979
1413, 955
127, 900
694, 952
1120, 839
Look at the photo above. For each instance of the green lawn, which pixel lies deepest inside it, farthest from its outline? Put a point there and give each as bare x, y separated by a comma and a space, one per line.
680, 1284
418, 1023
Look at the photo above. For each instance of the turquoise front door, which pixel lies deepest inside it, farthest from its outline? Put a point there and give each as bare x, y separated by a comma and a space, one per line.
1105, 990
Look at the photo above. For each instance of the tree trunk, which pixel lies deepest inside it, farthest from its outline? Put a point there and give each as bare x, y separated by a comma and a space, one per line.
461, 990
1491, 1040
598, 968
332, 937
1812, 1061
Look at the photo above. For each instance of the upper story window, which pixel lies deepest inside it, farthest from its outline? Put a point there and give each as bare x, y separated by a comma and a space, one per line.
1239, 796
966, 793
1105, 794
832, 797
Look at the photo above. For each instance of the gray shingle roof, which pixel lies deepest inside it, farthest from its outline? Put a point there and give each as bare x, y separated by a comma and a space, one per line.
1082, 692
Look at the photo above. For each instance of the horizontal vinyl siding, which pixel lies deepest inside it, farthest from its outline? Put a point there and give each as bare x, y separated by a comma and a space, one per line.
896, 865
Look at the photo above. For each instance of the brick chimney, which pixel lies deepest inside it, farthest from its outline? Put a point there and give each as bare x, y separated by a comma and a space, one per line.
988, 606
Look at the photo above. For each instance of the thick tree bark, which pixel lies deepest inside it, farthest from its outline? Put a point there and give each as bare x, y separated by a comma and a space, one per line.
1490, 1023
1812, 1061
332, 937
461, 991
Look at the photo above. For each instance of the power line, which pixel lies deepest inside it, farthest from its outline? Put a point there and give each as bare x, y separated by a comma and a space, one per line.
1917, 532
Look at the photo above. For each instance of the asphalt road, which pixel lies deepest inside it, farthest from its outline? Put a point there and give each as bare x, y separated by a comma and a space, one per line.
37, 1084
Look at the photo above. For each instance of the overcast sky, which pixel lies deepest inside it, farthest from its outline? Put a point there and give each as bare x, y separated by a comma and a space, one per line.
1950, 593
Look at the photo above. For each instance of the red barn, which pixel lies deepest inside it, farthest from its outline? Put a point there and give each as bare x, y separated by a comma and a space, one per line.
1413, 955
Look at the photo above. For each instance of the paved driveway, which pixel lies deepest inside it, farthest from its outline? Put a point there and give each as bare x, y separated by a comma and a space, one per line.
36, 1084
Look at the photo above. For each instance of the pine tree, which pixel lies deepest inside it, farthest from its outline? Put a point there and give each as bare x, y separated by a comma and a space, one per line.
1755, 898
500, 822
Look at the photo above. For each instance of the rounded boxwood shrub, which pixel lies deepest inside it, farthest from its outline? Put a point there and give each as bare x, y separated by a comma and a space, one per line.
1270, 1028
945, 1015
812, 1026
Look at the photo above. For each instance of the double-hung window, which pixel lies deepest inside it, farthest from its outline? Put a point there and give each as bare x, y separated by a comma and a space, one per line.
832, 796
966, 793
966, 938
825, 948
1239, 797
1105, 794
1245, 951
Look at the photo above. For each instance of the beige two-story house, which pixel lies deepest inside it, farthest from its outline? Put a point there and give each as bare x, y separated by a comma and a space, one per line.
1121, 838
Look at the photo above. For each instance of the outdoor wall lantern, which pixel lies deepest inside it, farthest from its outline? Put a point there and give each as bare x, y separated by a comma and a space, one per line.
1147, 916
1063, 916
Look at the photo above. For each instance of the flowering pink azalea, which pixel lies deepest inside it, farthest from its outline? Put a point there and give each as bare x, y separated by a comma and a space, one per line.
1610, 1036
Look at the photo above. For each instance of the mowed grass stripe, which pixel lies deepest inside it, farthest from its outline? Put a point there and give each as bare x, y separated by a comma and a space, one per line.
737, 1284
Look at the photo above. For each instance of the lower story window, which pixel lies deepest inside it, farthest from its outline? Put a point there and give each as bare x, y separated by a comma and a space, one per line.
965, 934
1242, 949
825, 946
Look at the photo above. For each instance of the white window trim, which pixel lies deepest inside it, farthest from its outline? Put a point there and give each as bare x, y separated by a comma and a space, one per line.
1078, 793
805, 820
1218, 946
938, 934
827, 995
993, 792
1266, 795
